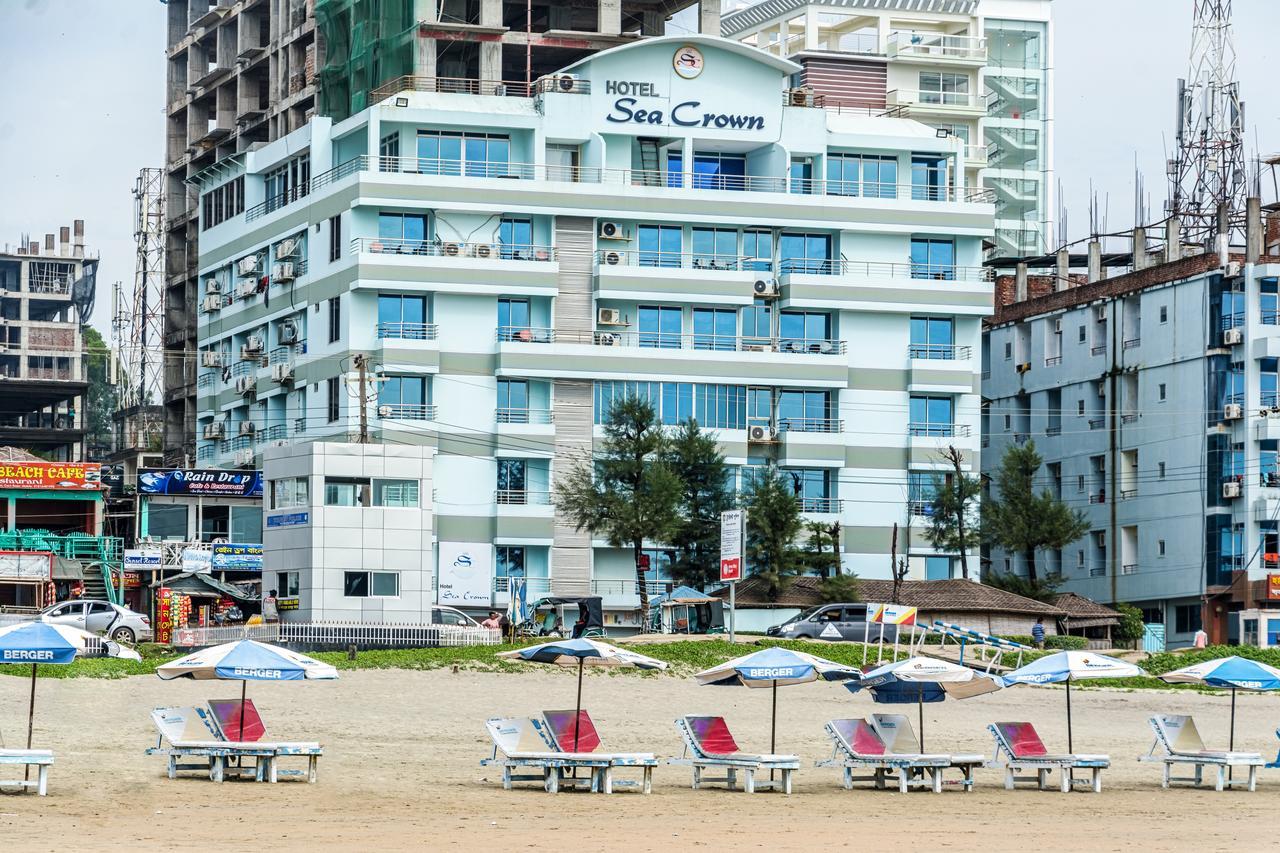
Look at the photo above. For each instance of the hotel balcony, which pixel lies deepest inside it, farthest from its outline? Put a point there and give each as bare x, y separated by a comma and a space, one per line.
447, 262
929, 103
937, 49
409, 346
631, 274
941, 369
925, 440
534, 588
885, 286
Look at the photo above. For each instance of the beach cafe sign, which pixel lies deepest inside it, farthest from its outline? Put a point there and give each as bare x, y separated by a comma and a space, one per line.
642, 101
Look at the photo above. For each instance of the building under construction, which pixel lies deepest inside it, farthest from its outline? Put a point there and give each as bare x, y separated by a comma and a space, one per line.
45, 291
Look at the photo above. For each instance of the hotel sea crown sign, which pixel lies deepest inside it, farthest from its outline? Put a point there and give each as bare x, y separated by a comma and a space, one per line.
731, 545
466, 574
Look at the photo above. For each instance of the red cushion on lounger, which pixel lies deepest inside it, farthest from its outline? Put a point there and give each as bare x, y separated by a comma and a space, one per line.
1022, 739
227, 713
865, 740
561, 723
712, 734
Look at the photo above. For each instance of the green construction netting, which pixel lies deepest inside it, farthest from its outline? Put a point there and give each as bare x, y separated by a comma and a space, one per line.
367, 43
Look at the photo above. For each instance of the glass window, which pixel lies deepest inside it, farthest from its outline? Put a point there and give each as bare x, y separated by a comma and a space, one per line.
562, 163
476, 155
510, 561
511, 481
757, 327
386, 584
715, 406
335, 318
660, 326
288, 584
932, 337
721, 406
513, 401
401, 232
922, 486
346, 491
1267, 381
803, 411
366, 584
715, 248
757, 250
806, 330
355, 584
660, 245
715, 171
928, 178
1270, 302
513, 320
942, 88
1186, 618
932, 416
402, 316
395, 493
677, 402
813, 486
934, 259
937, 568
869, 175
802, 175
405, 395
805, 253
715, 328
515, 237
167, 521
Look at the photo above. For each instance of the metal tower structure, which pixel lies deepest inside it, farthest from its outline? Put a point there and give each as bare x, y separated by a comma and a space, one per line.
137, 322
1207, 173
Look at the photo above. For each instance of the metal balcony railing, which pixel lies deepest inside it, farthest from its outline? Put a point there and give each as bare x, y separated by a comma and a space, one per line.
533, 587
522, 497
205, 452
929, 430
1100, 349
936, 46
1232, 321
943, 352
1052, 360
1055, 429
451, 249
409, 331
721, 343
810, 425
819, 505
492, 88
525, 335
205, 381
928, 98
1269, 479
682, 260
523, 416
280, 355
1097, 423
407, 411
628, 587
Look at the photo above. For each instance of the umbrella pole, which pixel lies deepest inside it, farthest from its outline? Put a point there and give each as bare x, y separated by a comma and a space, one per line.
1070, 748
920, 709
1231, 745
31, 719
244, 685
577, 711
773, 726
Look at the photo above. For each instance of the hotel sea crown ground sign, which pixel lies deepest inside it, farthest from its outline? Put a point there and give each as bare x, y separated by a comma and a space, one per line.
731, 556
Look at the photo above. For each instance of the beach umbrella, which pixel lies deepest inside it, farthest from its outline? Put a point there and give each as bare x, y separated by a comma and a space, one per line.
776, 667
924, 680
1068, 667
581, 653
39, 642
1232, 672
245, 661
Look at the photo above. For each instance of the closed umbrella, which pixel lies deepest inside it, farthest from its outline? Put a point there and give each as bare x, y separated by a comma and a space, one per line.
1068, 667
581, 653
245, 661
774, 667
1235, 673
924, 680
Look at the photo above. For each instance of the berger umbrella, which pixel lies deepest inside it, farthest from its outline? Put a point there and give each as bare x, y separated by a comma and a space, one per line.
1234, 672
581, 652
1070, 666
924, 680
245, 661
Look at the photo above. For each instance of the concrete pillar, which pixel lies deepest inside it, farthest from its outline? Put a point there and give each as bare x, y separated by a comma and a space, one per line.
11, 514
1062, 280
1020, 283
48, 244
77, 229
709, 17
1095, 260
491, 14
1172, 239
1139, 248
652, 23
609, 17
64, 241
811, 28
491, 61
1253, 242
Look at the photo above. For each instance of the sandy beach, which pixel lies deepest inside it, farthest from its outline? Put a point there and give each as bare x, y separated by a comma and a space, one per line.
401, 771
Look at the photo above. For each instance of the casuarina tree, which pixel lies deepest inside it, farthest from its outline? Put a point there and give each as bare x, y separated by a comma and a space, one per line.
627, 493
1022, 520
773, 525
954, 521
694, 456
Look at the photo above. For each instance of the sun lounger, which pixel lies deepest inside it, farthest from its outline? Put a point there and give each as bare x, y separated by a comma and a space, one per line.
900, 739
41, 759
856, 746
1178, 742
524, 743
708, 744
560, 729
1019, 748
195, 733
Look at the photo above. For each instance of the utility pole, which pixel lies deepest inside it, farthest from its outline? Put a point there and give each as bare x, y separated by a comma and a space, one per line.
362, 367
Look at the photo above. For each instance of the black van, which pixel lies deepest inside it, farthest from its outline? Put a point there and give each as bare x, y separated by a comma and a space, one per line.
846, 621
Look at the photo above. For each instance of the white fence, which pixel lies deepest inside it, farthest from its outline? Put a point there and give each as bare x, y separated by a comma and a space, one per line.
342, 634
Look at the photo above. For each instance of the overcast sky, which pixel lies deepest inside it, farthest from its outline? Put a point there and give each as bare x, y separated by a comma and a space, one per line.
82, 109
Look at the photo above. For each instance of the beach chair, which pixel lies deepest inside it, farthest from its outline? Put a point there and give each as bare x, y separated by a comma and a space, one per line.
1178, 742
1019, 748
521, 743
196, 741
561, 730
856, 746
226, 719
900, 739
40, 759
708, 744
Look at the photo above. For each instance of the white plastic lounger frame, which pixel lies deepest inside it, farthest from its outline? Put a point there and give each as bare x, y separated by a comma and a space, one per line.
848, 755
41, 759
1178, 742
522, 743
751, 766
642, 761
1036, 758
900, 739
193, 734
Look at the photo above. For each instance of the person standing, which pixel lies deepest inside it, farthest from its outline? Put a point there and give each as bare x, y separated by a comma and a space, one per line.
1037, 633
270, 608
1201, 639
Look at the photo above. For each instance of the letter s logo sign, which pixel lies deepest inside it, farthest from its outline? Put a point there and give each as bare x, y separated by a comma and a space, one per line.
462, 561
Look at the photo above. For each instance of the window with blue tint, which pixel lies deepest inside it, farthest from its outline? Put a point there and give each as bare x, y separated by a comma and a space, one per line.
406, 395
870, 175
513, 319
932, 416
660, 245
1269, 302
813, 486
513, 401
803, 331
439, 153
477, 155
804, 411
932, 337
677, 402
715, 328
510, 561
714, 406
1232, 309
715, 171
1234, 385
511, 480
805, 253
934, 259
937, 568
759, 407
715, 248
401, 232
757, 325
402, 316
757, 249
928, 178
660, 326
1267, 459
922, 487
721, 406
801, 175
515, 238
1267, 381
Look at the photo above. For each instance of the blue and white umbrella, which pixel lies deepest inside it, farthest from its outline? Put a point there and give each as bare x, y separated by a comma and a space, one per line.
773, 667
581, 652
1068, 667
1235, 673
245, 661
39, 642
922, 679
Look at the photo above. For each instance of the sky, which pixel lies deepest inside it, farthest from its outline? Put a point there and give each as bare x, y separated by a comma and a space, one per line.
82, 110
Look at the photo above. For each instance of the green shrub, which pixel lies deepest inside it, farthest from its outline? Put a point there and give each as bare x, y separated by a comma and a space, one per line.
1066, 642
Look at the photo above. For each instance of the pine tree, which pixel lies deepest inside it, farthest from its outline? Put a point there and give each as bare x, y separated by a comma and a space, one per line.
694, 456
773, 524
954, 520
1023, 521
626, 493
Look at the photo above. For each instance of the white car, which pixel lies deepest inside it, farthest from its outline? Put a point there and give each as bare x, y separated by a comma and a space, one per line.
100, 617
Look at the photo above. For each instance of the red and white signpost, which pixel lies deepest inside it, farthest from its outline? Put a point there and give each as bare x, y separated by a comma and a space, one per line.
731, 557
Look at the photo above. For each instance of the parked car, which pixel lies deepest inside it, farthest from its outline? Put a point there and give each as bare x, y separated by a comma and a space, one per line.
443, 615
100, 617
834, 622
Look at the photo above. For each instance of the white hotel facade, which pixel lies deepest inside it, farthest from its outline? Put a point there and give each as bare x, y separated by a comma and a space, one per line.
653, 221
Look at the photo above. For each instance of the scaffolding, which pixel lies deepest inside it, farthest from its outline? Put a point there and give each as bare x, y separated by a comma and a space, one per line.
367, 42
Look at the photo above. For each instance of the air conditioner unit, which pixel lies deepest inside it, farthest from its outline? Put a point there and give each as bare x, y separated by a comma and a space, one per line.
800, 97
255, 343
243, 457
244, 384
1231, 489
452, 250
247, 288
612, 258
765, 287
1233, 269
1100, 313
565, 83
1057, 325
212, 303
214, 430
1102, 390
1024, 367
247, 354
1232, 337
613, 231
212, 285
286, 247
609, 317
209, 358
606, 339
288, 332
248, 265
283, 271
384, 411
760, 434
1232, 412
282, 372
247, 427
482, 250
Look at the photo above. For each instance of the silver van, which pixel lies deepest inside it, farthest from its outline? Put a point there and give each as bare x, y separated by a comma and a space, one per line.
843, 621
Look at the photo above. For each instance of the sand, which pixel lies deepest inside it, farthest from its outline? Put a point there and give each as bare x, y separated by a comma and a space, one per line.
401, 771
